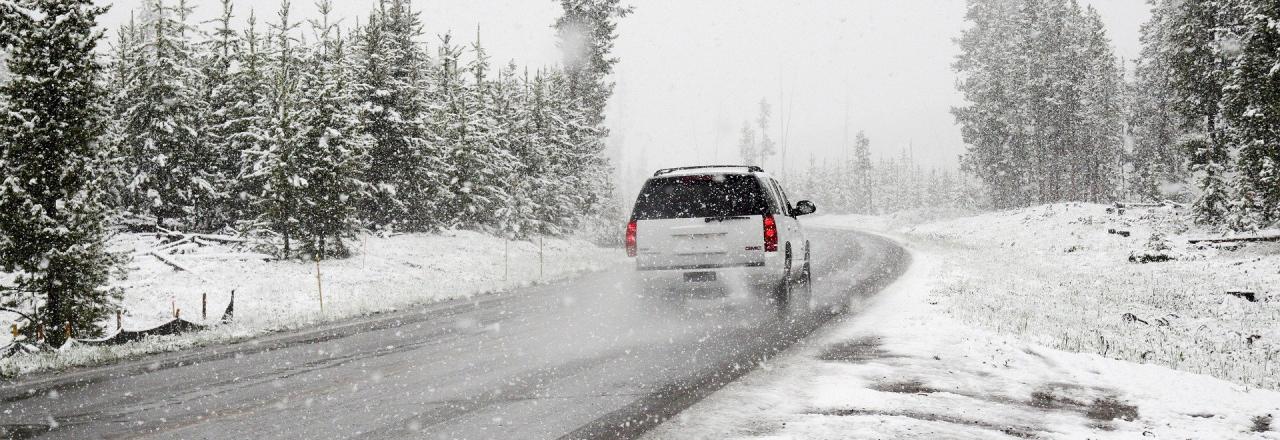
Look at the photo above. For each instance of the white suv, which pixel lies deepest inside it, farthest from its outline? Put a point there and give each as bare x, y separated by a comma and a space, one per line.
718, 225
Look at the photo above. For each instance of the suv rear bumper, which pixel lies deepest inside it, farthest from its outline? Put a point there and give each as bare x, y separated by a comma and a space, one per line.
750, 275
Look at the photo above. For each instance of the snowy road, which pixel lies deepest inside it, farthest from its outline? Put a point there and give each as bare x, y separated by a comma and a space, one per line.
578, 359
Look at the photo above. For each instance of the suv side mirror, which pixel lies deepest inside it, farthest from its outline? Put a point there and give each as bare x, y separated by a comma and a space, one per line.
804, 207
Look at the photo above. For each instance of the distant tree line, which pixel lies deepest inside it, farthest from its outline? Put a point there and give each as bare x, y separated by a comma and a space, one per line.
1206, 107
1044, 121
303, 133
857, 184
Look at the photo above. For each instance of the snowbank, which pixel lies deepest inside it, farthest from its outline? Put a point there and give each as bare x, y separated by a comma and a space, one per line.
1069, 276
905, 369
385, 274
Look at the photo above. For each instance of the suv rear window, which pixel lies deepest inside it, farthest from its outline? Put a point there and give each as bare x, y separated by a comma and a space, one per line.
699, 196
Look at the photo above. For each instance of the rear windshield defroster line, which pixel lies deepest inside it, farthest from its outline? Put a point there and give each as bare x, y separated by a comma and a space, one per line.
698, 196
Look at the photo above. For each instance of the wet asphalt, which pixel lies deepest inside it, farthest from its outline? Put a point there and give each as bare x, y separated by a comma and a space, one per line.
590, 357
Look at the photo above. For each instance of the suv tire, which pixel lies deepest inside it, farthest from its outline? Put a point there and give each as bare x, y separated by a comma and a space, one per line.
782, 293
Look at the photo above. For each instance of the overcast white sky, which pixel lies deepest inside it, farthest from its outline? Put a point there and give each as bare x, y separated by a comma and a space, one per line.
692, 72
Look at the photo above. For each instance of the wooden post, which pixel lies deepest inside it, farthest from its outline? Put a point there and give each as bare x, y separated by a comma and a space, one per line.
39, 331
204, 306
177, 313
119, 325
319, 288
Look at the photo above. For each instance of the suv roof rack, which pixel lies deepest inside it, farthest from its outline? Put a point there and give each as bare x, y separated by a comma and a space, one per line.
750, 168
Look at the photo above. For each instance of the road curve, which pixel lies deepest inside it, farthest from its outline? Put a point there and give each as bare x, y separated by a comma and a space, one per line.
585, 358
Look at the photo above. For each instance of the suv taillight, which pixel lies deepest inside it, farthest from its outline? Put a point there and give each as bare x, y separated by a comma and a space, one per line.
770, 234
631, 239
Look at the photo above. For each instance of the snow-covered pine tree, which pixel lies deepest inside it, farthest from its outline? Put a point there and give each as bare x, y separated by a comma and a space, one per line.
572, 156
1050, 97
162, 136
479, 163
219, 92
861, 178
1251, 104
1195, 78
330, 160
1208, 167
244, 123
276, 167
406, 169
553, 200
52, 203
1101, 113
992, 69
536, 201
588, 186
125, 61
1155, 123
511, 112
585, 34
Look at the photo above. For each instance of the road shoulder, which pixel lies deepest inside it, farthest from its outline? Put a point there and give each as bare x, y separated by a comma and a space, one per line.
902, 368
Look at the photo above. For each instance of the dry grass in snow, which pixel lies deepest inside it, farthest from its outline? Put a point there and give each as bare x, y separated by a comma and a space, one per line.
1054, 275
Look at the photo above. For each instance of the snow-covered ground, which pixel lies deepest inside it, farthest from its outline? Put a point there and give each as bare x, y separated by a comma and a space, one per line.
385, 274
1055, 276
1013, 324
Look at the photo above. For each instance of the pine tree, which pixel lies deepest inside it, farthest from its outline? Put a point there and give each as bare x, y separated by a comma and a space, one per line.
585, 34
163, 129
278, 167
1251, 104
1195, 80
244, 124
478, 159
511, 111
556, 203
52, 203
541, 137
330, 159
406, 168
221, 94
992, 69
862, 172
125, 62
1101, 113
1156, 124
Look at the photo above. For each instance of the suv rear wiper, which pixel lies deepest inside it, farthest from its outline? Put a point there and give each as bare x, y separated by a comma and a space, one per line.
727, 217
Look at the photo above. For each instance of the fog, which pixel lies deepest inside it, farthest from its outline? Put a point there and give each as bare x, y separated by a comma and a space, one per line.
692, 72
